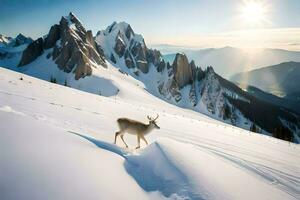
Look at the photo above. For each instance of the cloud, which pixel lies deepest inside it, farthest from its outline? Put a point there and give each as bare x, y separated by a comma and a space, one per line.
294, 44
280, 38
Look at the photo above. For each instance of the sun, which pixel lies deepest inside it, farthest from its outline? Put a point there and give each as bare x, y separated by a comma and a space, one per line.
253, 12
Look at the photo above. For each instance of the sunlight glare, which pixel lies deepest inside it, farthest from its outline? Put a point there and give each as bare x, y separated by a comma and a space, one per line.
253, 12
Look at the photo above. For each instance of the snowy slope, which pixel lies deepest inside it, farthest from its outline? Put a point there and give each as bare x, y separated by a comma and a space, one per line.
56, 143
184, 84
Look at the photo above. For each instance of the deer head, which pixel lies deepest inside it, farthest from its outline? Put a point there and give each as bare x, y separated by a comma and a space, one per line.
153, 122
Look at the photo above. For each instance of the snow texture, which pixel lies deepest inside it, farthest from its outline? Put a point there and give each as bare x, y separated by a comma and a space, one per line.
56, 143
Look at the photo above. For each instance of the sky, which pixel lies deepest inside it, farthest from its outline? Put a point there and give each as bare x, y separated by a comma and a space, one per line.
190, 23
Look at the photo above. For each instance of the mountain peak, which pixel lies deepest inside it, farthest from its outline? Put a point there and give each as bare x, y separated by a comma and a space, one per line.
73, 48
120, 42
14, 42
70, 17
119, 28
70, 20
4, 39
20, 35
210, 69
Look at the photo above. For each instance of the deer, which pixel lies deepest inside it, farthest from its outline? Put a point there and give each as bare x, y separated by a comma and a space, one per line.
135, 128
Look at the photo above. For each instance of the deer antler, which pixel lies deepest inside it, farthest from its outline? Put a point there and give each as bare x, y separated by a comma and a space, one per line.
156, 117
149, 117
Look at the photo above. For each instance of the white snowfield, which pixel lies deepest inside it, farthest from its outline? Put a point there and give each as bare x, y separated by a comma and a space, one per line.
56, 143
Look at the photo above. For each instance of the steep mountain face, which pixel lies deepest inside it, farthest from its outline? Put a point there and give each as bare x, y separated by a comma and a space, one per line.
182, 71
11, 49
20, 40
123, 47
72, 48
281, 80
290, 103
186, 85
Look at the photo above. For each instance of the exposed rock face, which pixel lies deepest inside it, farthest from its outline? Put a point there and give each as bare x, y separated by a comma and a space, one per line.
34, 50
154, 56
113, 59
182, 70
77, 48
129, 32
21, 39
139, 51
120, 46
74, 48
129, 60
161, 66
128, 46
53, 36
211, 91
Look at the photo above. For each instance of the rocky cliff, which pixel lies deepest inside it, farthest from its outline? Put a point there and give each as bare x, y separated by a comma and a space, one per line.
73, 48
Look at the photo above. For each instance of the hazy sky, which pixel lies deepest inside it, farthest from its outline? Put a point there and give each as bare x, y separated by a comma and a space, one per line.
193, 23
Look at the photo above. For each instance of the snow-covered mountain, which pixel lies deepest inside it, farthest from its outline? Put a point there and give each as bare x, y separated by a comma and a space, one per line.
69, 45
281, 79
20, 40
4, 40
69, 55
11, 49
228, 61
56, 143
186, 85
14, 42
291, 103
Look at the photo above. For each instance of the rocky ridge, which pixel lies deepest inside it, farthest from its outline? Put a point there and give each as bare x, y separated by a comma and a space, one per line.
73, 48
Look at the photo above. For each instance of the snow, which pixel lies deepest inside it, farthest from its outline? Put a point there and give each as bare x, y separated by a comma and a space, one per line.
56, 143
12, 55
106, 39
211, 103
4, 41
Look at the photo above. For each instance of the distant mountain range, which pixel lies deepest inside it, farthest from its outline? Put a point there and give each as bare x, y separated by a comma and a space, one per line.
228, 61
291, 102
282, 79
70, 55
14, 42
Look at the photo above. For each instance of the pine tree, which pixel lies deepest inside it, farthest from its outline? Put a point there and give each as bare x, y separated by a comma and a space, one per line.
253, 128
52, 79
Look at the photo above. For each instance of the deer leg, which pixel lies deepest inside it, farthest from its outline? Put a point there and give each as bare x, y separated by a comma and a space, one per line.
143, 138
124, 141
139, 142
116, 135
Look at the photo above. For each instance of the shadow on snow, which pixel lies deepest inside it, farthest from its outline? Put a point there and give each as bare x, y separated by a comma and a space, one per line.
151, 168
